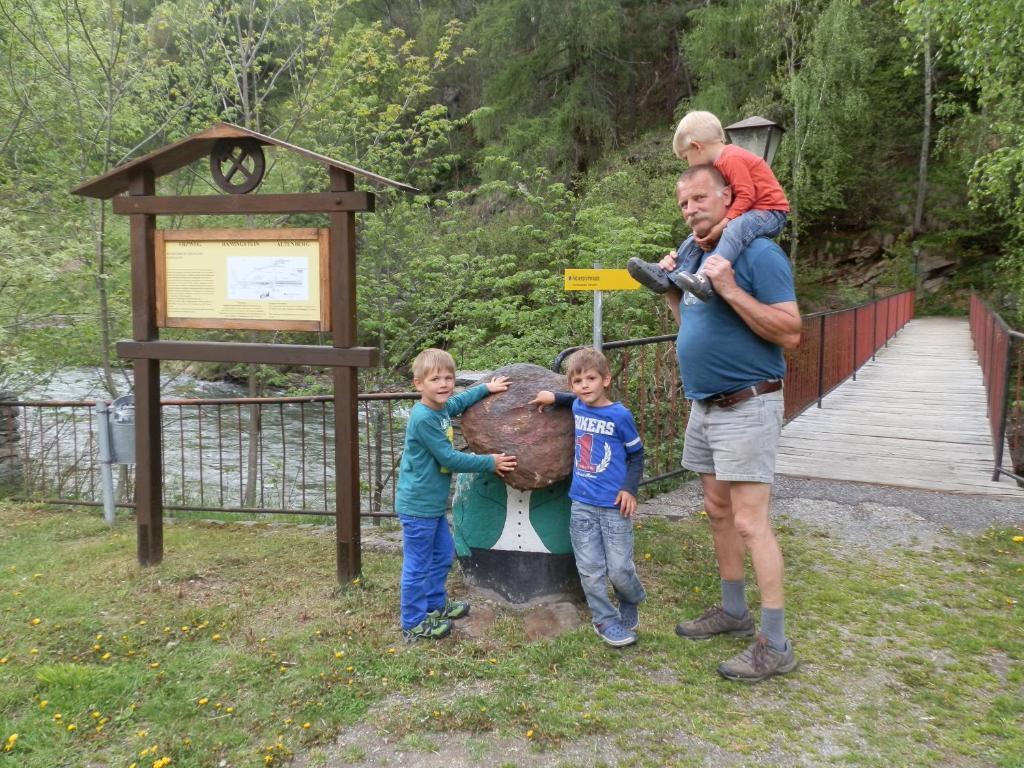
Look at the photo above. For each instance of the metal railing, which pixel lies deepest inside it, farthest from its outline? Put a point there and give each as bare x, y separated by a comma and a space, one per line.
210, 461
834, 345
1001, 357
211, 464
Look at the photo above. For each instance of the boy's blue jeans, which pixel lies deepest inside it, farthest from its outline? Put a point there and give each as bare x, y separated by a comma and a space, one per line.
738, 234
427, 555
602, 540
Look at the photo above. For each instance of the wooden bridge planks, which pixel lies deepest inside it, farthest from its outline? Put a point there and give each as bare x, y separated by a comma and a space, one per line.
914, 418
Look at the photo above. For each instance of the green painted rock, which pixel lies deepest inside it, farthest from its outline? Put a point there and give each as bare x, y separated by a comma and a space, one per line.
506, 423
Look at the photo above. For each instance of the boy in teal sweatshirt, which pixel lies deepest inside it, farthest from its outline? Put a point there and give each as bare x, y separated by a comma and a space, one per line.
424, 483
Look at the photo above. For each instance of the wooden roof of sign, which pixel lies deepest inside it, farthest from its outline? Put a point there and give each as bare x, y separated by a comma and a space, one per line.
174, 156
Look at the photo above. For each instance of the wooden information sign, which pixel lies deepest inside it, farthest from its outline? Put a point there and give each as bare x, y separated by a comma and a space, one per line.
247, 279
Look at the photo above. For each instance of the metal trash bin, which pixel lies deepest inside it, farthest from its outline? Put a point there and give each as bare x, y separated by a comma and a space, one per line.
122, 430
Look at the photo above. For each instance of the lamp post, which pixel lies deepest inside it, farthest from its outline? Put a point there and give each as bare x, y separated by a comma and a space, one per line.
757, 135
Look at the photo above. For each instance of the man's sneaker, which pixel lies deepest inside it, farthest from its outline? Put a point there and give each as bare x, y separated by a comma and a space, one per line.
695, 283
648, 275
453, 609
758, 662
614, 634
629, 616
428, 629
715, 621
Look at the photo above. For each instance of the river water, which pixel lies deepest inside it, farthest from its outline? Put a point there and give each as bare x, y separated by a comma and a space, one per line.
206, 448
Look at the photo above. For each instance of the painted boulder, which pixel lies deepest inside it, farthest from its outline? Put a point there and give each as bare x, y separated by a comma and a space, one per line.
542, 442
513, 543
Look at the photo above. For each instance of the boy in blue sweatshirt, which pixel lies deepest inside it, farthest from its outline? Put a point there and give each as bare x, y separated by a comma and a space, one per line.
421, 499
606, 473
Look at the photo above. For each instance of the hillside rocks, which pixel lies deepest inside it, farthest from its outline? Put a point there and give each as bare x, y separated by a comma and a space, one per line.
506, 423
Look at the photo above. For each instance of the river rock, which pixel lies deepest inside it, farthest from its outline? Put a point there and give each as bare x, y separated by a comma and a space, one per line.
542, 442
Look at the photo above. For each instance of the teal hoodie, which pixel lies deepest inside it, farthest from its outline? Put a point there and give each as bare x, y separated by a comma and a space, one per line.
429, 457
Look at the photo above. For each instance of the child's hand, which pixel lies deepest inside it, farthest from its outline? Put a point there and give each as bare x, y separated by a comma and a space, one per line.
544, 397
498, 384
710, 240
626, 502
503, 463
668, 261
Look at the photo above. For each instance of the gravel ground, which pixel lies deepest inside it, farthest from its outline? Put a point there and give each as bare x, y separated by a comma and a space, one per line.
863, 515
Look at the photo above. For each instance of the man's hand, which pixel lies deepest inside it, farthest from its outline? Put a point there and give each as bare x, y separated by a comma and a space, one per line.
544, 397
498, 384
626, 502
503, 463
668, 261
720, 272
710, 240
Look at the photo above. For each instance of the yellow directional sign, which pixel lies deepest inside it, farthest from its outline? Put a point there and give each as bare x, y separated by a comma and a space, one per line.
599, 280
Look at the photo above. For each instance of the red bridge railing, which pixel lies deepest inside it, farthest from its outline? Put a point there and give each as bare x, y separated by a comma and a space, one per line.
833, 345
1001, 357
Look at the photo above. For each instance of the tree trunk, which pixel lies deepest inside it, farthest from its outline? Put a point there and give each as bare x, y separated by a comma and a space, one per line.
926, 134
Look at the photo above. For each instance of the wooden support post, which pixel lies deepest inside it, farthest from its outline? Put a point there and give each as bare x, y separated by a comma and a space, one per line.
346, 384
149, 514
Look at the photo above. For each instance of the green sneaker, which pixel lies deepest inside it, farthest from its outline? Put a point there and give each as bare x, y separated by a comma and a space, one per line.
453, 609
430, 628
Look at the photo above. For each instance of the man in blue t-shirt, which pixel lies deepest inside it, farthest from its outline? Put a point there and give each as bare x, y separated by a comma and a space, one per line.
732, 366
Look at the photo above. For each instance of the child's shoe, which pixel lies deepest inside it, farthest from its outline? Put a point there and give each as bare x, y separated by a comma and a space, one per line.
629, 616
453, 609
613, 633
430, 628
695, 283
649, 275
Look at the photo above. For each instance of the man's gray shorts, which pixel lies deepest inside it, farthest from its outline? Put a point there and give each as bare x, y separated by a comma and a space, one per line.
737, 443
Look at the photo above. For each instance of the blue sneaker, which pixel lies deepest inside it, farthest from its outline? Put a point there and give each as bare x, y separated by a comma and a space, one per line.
613, 633
629, 616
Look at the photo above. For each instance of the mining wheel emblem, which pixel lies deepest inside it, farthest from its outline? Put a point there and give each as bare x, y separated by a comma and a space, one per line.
237, 165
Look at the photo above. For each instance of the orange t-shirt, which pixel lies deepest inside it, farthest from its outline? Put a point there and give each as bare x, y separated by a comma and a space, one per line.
754, 186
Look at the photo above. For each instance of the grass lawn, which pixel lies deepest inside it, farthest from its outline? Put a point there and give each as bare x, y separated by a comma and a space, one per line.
241, 650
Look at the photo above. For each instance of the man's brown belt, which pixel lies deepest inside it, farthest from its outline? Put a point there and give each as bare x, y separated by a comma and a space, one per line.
728, 399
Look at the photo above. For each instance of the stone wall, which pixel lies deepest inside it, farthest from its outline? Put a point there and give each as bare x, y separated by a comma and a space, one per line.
10, 459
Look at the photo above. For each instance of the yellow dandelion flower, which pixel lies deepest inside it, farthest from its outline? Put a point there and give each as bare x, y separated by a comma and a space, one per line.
1018, 539
203, 701
154, 664
104, 720
43, 703
216, 636
58, 717
529, 734
4, 659
349, 668
184, 629
33, 651
142, 622
36, 621
218, 705
95, 715
11, 741
229, 710
96, 647
391, 650
339, 654
130, 653
287, 721
72, 727
99, 637
306, 725
105, 656
647, 555
186, 741
492, 661
357, 581
142, 735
